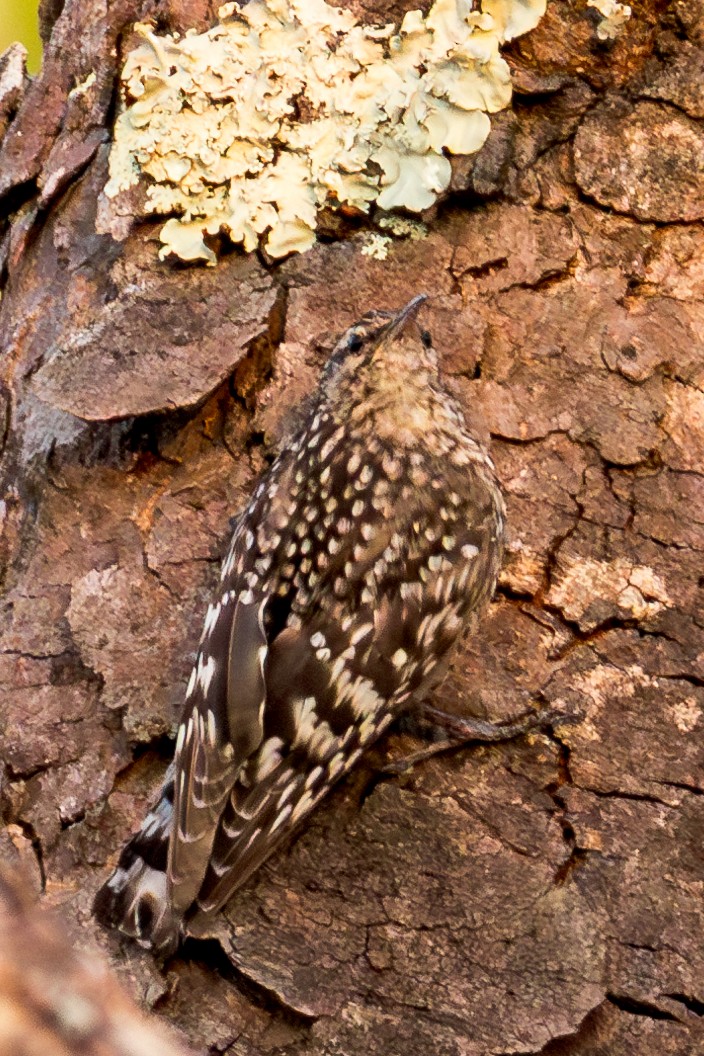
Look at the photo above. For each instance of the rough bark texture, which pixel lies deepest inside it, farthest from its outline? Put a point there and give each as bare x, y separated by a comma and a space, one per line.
56, 1002
543, 896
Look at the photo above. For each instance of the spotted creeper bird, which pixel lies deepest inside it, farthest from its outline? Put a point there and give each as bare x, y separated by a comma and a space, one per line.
366, 551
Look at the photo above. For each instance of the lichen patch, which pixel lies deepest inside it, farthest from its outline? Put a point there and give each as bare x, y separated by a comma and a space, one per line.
686, 714
288, 106
613, 18
587, 590
376, 246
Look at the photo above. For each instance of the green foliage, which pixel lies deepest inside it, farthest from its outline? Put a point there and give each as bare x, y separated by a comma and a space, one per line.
18, 21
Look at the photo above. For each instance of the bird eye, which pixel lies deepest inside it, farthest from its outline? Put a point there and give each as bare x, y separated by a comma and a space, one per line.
426, 339
355, 342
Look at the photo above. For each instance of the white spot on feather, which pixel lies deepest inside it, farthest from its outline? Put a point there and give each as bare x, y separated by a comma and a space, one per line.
211, 617
281, 818
287, 793
364, 698
206, 670
304, 804
361, 633
191, 683
399, 658
321, 741
269, 757
313, 776
330, 445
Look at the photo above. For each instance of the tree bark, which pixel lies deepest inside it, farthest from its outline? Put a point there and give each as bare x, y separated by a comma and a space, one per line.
539, 896
55, 1002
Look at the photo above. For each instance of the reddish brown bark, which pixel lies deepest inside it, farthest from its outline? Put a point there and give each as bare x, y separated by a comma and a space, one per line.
544, 895
56, 1002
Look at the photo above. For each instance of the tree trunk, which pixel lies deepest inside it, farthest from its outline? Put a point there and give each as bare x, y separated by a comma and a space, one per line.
543, 895
56, 1002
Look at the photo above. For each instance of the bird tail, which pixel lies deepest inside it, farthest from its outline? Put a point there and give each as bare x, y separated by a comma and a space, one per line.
135, 899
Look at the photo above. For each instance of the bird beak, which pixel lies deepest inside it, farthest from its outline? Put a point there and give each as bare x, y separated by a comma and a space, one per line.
408, 314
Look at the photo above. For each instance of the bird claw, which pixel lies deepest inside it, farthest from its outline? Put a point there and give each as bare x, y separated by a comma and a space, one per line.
461, 731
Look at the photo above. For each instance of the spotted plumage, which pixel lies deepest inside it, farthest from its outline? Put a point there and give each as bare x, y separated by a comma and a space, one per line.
362, 556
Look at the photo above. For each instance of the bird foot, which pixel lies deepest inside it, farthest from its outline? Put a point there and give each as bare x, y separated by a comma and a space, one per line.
459, 731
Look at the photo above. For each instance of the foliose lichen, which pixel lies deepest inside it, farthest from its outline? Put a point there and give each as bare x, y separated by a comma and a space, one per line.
376, 246
613, 17
286, 107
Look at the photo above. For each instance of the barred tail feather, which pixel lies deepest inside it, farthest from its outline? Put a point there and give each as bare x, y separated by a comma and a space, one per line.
135, 899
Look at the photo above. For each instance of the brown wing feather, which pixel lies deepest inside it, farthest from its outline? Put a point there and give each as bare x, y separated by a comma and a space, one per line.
221, 726
330, 692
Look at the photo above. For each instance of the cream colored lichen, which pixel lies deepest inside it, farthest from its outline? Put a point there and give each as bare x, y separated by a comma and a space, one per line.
404, 227
584, 582
289, 106
604, 683
83, 86
613, 17
376, 246
13, 73
686, 714
401, 227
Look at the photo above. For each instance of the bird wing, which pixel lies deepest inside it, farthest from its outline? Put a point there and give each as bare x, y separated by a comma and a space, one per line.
221, 726
339, 678
315, 731
434, 578
160, 870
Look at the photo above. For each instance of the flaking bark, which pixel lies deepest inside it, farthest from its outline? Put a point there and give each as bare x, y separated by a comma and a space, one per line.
543, 895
